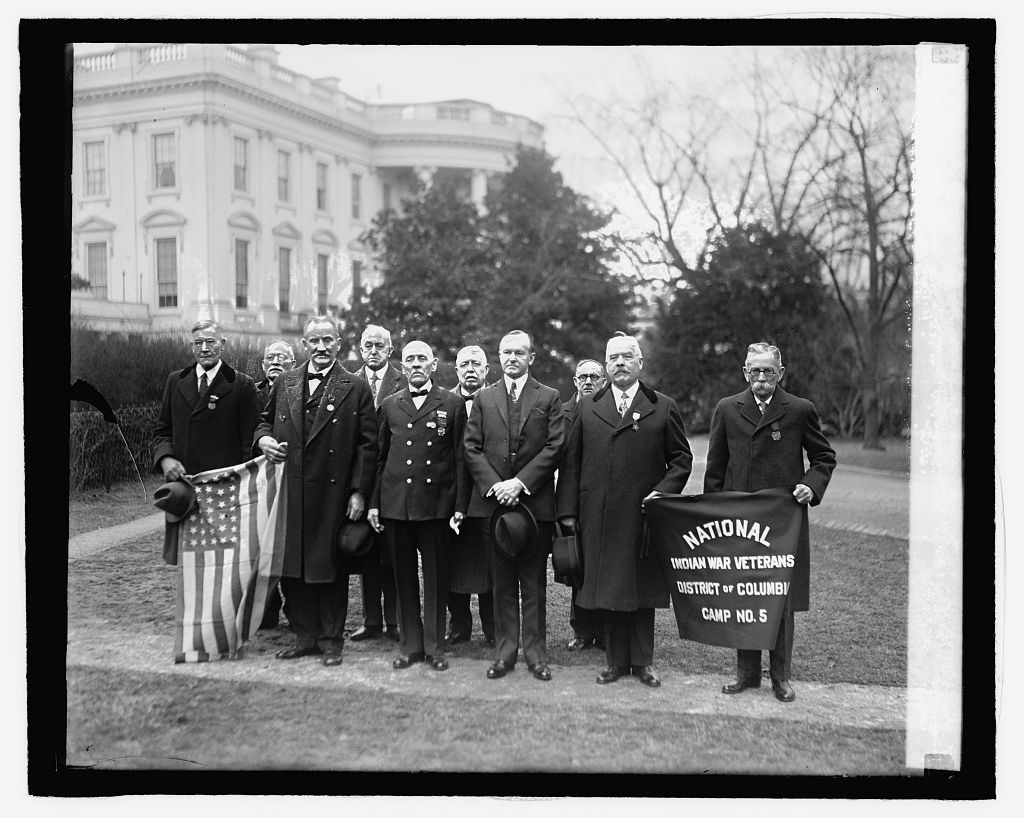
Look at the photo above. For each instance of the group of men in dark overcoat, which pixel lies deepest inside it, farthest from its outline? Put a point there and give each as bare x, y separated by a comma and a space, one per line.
436, 471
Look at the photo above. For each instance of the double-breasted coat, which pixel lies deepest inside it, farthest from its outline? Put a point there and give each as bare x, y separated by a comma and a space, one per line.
748, 451
200, 437
537, 445
338, 457
421, 472
611, 463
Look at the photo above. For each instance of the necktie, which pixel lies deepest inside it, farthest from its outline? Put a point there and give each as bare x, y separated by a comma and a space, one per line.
623, 404
204, 384
761, 406
513, 396
419, 393
374, 383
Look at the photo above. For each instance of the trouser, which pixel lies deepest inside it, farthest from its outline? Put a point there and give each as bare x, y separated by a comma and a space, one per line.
429, 539
780, 659
528, 579
629, 637
585, 622
378, 581
272, 611
316, 611
461, 620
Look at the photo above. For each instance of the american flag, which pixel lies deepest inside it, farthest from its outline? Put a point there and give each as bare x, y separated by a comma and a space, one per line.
231, 548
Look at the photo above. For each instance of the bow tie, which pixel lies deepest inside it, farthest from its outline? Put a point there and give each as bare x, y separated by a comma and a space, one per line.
316, 376
419, 393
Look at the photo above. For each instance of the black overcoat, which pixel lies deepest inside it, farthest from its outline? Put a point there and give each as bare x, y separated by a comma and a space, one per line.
537, 447
339, 457
608, 469
743, 455
468, 571
421, 469
200, 437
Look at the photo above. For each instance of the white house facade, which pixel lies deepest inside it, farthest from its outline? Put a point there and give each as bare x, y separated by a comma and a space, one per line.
210, 181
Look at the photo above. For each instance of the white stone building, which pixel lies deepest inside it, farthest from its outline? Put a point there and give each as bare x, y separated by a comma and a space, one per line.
208, 180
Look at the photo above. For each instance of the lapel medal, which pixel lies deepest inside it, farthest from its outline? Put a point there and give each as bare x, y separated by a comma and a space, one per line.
213, 402
330, 407
636, 421
442, 420
776, 435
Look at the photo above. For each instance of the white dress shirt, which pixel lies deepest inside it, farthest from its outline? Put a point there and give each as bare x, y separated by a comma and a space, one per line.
629, 393
314, 385
210, 373
417, 400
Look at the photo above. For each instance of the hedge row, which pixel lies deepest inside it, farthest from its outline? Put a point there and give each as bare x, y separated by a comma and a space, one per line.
98, 456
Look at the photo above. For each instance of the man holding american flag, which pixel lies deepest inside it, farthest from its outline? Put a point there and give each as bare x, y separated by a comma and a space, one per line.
319, 421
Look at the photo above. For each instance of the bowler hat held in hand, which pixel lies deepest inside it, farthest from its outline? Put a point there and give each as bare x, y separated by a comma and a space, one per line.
565, 556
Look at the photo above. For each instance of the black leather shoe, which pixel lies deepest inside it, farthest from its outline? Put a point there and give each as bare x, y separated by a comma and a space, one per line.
783, 691
331, 659
611, 674
498, 669
407, 660
297, 652
366, 632
437, 662
646, 675
452, 638
392, 633
740, 685
578, 644
540, 671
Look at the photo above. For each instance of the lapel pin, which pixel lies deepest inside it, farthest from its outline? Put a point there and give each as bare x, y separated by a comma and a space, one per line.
330, 407
776, 435
213, 402
636, 421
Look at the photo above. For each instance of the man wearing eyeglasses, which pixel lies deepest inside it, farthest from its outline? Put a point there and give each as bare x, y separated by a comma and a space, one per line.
758, 439
320, 420
585, 623
383, 379
277, 358
208, 412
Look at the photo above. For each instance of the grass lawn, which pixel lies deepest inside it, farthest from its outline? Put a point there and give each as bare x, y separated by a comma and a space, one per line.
98, 508
895, 457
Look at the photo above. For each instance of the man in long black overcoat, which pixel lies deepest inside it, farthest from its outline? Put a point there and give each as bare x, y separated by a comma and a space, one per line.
320, 421
758, 440
627, 443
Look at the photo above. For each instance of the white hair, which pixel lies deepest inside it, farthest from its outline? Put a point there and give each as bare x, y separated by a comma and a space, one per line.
764, 348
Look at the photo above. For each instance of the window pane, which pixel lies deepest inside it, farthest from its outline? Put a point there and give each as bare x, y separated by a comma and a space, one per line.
284, 173
241, 274
321, 186
241, 163
95, 169
387, 197
167, 272
164, 160
284, 277
321, 283
357, 278
357, 181
96, 268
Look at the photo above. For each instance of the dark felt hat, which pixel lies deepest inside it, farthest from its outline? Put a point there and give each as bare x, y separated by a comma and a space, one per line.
514, 531
353, 541
175, 499
566, 558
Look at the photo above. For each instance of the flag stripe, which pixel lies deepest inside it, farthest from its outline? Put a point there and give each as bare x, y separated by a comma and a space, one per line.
230, 555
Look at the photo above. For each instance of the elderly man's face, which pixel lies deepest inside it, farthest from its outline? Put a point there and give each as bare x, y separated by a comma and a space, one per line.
761, 372
278, 358
418, 363
623, 362
375, 349
321, 342
207, 346
589, 378
471, 367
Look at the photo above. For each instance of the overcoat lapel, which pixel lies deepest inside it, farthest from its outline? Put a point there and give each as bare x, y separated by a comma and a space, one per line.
604, 408
295, 394
430, 403
748, 408
503, 402
776, 408
334, 392
189, 387
220, 387
640, 405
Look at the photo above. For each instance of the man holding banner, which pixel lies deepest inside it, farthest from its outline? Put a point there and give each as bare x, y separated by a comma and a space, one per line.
627, 444
757, 441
